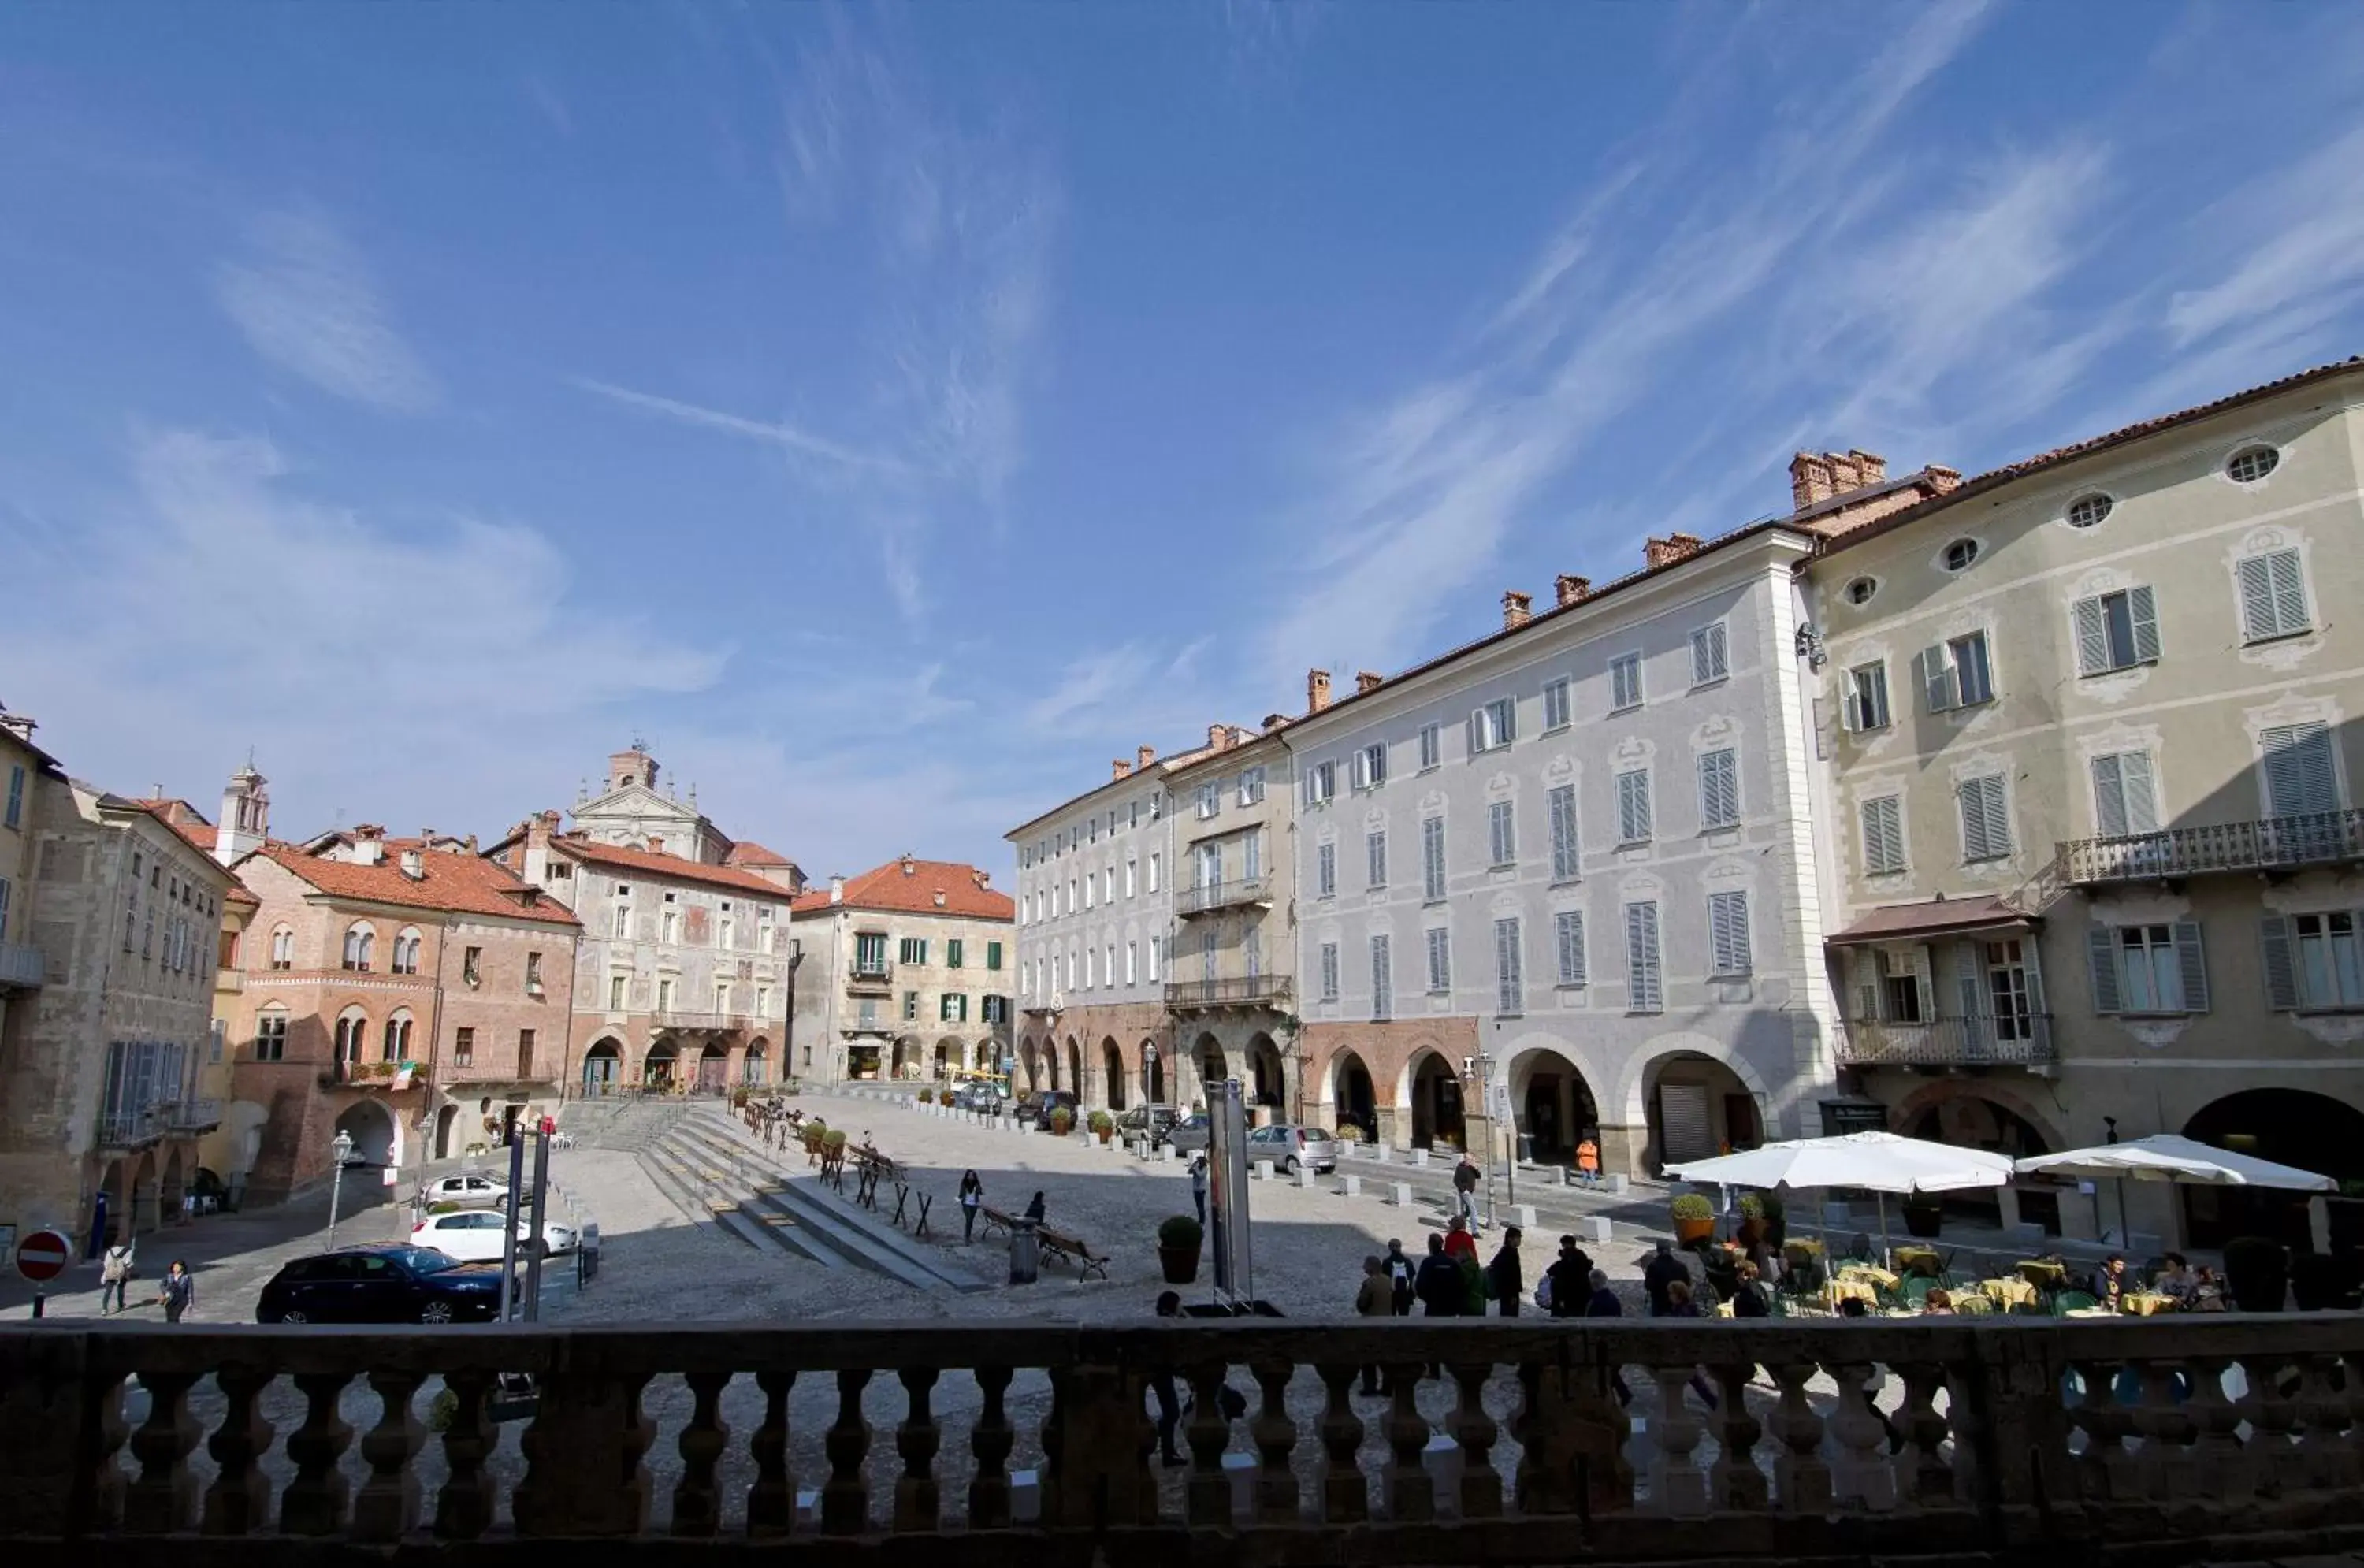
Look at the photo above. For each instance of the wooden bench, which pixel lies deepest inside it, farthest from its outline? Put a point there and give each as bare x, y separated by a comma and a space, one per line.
995, 1220
1075, 1248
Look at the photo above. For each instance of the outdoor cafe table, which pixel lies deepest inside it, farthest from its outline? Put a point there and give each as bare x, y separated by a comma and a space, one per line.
2042, 1274
1918, 1260
2147, 1304
1872, 1272
1838, 1290
2008, 1293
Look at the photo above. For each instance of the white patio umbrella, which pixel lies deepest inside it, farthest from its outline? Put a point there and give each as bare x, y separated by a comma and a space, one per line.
2164, 1157
1879, 1162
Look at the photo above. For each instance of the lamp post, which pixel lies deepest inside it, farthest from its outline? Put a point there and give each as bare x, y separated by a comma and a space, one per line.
788, 1044
342, 1149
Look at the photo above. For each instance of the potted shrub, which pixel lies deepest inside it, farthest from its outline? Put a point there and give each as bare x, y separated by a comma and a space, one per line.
1063, 1122
1752, 1219
739, 1096
1178, 1248
832, 1143
1349, 1133
2257, 1271
1777, 1219
1102, 1125
1925, 1215
1694, 1217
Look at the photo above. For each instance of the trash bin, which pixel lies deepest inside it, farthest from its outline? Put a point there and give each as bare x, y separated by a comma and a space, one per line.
1025, 1252
1526, 1148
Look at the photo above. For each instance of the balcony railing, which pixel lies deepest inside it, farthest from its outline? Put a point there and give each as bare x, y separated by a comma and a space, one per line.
1232, 894
870, 976
2027, 1440
194, 1116
1241, 991
21, 964
2271, 843
742, 1021
229, 980
375, 1074
135, 1130
1985, 1040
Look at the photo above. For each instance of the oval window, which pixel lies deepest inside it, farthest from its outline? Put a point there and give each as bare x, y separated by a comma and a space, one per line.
1860, 591
1960, 553
2088, 511
2252, 463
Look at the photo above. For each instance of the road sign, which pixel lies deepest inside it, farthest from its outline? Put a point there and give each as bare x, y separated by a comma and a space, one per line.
43, 1255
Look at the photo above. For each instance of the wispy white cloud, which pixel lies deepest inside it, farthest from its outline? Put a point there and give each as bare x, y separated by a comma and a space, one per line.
306, 301
778, 432
2308, 269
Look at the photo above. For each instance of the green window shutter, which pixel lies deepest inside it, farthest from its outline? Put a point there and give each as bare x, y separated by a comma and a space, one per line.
2192, 964
993, 955
2281, 968
2101, 955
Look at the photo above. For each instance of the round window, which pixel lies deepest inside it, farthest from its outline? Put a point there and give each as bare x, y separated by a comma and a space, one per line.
2252, 463
1860, 591
1960, 553
2087, 511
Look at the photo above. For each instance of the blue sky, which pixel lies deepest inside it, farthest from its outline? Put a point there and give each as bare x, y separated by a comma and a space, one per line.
895, 414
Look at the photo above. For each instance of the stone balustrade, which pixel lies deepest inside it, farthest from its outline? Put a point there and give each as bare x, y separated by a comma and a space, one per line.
1999, 1438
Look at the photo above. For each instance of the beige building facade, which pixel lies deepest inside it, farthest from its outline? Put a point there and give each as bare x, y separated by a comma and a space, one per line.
2088, 805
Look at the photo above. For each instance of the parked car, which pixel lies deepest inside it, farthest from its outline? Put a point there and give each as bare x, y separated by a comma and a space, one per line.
1035, 1106
1189, 1135
381, 1285
1289, 1146
984, 1097
1153, 1122
473, 1189
474, 1235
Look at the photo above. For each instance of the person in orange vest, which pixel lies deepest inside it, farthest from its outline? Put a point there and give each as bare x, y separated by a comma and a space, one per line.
1588, 1161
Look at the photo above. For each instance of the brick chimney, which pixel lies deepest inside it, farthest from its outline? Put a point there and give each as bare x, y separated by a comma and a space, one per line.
1940, 480
1120, 769
1518, 609
1219, 737
1142, 757
1570, 588
1815, 477
837, 890
1317, 690
1658, 552
1367, 680
1275, 721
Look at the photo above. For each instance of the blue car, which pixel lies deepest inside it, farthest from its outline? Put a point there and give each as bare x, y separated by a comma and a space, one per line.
382, 1284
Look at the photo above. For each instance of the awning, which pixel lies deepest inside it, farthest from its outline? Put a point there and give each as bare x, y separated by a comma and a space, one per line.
1874, 1162
2164, 1157
1933, 918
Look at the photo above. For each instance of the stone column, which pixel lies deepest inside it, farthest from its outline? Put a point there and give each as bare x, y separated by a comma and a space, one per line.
1622, 1148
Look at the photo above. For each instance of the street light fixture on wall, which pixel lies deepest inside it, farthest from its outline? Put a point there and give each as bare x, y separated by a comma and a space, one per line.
342, 1147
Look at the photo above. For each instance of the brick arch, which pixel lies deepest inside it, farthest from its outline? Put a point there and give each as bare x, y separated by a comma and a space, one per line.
1937, 1092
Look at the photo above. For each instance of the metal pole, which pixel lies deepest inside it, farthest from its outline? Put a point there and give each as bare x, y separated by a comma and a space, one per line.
534, 1246
335, 1191
38, 1300
508, 1237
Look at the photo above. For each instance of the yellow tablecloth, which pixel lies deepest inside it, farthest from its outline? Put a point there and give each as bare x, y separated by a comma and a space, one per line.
2143, 1304
1871, 1272
1924, 1259
2038, 1273
2008, 1292
1838, 1290
2090, 1312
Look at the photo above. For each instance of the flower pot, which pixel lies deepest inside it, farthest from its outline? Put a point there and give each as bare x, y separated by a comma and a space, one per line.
1180, 1264
1688, 1231
1104, 1134
1751, 1232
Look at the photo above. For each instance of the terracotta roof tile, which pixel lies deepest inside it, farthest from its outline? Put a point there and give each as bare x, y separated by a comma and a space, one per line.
617, 857
910, 887
459, 884
183, 818
747, 852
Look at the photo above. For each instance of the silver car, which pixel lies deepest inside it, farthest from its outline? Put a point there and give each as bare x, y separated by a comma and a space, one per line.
1290, 1147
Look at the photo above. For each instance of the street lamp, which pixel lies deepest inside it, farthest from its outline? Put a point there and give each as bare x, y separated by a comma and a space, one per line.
342, 1149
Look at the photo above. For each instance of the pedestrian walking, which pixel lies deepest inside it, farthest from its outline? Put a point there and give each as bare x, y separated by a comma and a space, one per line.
1601, 1302
1400, 1278
971, 1198
1377, 1298
179, 1293
1438, 1283
1503, 1280
1570, 1281
1662, 1273
115, 1277
1465, 1189
1588, 1161
1161, 1387
1458, 1241
1199, 1187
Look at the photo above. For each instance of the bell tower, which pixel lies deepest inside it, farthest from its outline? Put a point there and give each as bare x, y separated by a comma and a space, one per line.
245, 815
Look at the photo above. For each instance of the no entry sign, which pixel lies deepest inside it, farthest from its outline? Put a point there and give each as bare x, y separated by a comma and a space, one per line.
43, 1255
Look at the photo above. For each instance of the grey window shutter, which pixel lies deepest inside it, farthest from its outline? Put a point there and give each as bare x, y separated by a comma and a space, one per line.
1997, 814
2281, 968
2256, 579
1641, 957
2093, 637
1969, 983
2289, 591
1477, 730
2101, 954
1974, 821
1936, 677
1851, 715
1565, 859
2108, 798
2142, 798
2192, 964
2142, 608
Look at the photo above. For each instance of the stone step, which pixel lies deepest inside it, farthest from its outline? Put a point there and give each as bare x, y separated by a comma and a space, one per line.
717, 1203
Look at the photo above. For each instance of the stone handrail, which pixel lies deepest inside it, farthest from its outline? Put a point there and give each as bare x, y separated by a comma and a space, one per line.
2022, 1438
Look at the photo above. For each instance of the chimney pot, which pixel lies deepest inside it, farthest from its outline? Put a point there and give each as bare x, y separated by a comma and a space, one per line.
1120, 769
414, 864
1518, 609
1219, 735
1940, 480
1658, 552
1317, 690
1367, 680
837, 890
1142, 756
1569, 588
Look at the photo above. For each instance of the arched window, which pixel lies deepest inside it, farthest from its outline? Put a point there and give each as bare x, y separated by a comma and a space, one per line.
397, 1038
352, 1031
283, 948
406, 951
361, 945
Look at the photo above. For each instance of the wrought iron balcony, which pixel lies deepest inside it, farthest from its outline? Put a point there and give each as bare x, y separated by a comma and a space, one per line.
194, 1116
386, 1075
708, 1021
1240, 991
228, 979
870, 976
2271, 843
20, 965
1233, 895
1982, 1039
122, 1131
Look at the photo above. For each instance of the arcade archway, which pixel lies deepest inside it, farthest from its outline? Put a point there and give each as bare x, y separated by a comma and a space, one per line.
1354, 1099
2288, 1127
1112, 1074
1554, 1105
1434, 1095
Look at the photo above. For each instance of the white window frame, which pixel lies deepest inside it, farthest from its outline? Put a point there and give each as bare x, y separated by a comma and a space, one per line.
1371, 765
1729, 954
1375, 857
1941, 671
1633, 807
1867, 696
1432, 746
1558, 709
2169, 956
1494, 726
1251, 786
1325, 871
2290, 987
1625, 682
1322, 783
1153, 860
1211, 799
1710, 655
2271, 596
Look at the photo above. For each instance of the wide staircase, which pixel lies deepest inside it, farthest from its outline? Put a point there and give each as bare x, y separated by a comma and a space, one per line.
721, 1177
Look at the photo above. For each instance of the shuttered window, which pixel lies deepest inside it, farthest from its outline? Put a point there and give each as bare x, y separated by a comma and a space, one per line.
1710, 660
1644, 993
2273, 595
2124, 801
1501, 833
1565, 850
1371, 766
1383, 984
1432, 745
1432, 860
1624, 682
2147, 969
1440, 959
1727, 925
1986, 822
1567, 937
1325, 870
1634, 806
1510, 983
1495, 725
1719, 786
2300, 777
1883, 836
1956, 673
1328, 971
1375, 851
2116, 631
2313, 962
1556, 703
1866, 697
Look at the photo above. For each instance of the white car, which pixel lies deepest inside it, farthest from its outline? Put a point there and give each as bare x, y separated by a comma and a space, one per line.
474, 1235
470, 1189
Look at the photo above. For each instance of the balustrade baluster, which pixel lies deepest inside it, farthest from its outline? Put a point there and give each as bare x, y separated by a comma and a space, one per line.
1345, 1495
387, 1504
2221, 1466
917, 1439
164, 1496
696, 1500
1410, 1493
239, 1502
1475, 1431
2324, 1455
585, 1450
1207, 1499
990, 1441
771, 1496
1802, 1481
2271, 1415
314, 1503
1099, 1472
2163, 1464
845, 1496
1861, 1474
2109, 1471
1572, 1436
1677, 1486
1922, 1477
1734, 1482
1276, 1439
463, 1507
